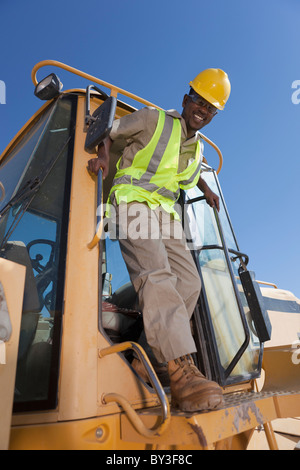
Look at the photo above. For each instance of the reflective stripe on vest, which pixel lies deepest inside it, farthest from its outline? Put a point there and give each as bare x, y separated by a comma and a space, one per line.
155, 167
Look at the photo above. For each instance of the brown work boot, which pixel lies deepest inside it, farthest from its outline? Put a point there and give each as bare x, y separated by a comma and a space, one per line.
161, 371
190, 390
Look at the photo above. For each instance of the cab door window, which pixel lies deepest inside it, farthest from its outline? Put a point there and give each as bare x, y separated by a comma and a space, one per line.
36, 178
234, 349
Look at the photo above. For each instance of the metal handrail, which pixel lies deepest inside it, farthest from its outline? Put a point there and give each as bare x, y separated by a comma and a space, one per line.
210, 142
271, 284
99, 213
134, 418
113, 88
114, 92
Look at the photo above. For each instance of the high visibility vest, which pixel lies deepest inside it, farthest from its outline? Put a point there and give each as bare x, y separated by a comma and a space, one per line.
153, 175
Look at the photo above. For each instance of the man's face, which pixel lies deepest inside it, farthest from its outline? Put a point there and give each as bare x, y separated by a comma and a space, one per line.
197, 113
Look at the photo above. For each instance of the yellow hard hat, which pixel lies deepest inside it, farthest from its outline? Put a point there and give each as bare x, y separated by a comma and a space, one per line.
213, 85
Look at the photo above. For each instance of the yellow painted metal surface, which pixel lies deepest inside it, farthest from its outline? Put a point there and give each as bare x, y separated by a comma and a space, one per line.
89, 434
243, 412
229, 427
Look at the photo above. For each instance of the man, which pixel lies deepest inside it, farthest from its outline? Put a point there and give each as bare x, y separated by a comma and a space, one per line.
161, 155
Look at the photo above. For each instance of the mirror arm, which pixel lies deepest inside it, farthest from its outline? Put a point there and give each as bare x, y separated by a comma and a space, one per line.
88, 118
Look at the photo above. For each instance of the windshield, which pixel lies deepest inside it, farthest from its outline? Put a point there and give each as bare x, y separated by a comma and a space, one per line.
13, 169
33, 231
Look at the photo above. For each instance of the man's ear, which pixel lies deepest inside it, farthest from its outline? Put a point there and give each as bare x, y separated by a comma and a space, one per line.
184, 101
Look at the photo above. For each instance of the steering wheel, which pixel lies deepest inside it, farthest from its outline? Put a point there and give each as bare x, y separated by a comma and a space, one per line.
37, 266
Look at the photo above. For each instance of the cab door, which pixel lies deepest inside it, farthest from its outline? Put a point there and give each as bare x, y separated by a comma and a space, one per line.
12, 282
231, 351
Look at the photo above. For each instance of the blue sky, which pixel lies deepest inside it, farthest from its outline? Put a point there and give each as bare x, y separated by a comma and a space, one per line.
154, 49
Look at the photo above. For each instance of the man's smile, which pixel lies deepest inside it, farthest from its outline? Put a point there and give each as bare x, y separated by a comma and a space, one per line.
198, 117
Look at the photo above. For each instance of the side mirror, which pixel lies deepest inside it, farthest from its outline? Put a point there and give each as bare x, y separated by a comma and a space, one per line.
256, 304
100, 123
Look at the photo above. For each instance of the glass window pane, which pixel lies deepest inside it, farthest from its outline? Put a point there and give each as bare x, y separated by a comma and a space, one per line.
224, 307
115, 265
224, 311
202, 223
206, 235
249, 362
120, 319
33, 233
14, 166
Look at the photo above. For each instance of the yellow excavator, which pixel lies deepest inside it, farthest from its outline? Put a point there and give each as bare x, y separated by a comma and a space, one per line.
70, 323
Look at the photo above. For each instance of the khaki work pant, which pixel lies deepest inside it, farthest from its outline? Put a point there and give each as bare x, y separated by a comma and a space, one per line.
164, 275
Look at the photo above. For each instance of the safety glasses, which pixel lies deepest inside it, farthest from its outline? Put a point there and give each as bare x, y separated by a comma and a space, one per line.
204, 104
